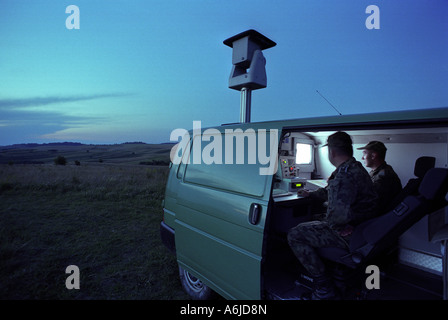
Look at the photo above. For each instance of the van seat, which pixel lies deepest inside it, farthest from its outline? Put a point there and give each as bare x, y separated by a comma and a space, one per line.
421, 167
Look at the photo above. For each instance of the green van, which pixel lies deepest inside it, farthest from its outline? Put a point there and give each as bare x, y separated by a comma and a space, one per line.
231, 197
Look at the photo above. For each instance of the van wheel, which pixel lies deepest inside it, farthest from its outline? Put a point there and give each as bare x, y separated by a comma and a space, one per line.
194, 287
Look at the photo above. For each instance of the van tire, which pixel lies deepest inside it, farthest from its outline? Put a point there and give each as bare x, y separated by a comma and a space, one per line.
194, 287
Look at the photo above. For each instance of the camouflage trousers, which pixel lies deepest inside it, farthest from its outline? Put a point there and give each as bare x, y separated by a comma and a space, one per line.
307, 237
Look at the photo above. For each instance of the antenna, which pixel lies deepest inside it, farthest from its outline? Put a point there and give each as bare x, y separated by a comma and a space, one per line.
329, 103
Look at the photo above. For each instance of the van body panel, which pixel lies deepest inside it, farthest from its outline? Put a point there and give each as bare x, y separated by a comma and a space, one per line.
167, 236
226, 218
209, 206
384, 119
217, 239
226, 268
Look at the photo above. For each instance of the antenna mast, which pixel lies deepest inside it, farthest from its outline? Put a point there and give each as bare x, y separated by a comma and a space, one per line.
329, 103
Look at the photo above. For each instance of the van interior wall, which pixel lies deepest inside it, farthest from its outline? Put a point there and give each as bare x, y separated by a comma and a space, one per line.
401, 156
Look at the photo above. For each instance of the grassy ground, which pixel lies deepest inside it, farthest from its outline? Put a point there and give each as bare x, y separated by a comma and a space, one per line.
118, 154
102, 218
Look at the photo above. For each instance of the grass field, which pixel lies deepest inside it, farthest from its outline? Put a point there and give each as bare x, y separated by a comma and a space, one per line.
102, 217
119, 154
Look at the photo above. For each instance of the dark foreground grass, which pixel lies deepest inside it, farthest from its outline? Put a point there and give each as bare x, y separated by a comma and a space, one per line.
105, 220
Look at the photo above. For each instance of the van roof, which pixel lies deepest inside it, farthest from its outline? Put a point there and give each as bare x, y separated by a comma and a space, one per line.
392, 118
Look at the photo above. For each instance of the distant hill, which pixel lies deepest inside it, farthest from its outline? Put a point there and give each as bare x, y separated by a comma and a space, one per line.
33, 145
130, 153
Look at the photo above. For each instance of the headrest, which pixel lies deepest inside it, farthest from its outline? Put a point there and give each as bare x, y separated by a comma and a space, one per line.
434, 184
422, 165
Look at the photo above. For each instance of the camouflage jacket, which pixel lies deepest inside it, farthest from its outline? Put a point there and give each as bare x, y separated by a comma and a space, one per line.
350, 194
386, 184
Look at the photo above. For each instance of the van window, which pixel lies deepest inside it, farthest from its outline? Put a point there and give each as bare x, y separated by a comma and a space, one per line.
228, 166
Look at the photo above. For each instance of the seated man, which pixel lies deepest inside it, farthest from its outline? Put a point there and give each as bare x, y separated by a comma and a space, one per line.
386, 182
351, 200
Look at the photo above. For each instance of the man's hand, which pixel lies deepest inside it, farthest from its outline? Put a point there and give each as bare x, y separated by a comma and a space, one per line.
303, 193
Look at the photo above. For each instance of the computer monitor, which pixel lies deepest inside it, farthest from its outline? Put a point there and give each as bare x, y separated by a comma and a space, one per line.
304, 151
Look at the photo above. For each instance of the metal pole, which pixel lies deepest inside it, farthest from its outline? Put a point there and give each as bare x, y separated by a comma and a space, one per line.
246, 97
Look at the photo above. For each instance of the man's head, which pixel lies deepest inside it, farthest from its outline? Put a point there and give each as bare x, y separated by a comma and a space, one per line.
340, 147
373, 154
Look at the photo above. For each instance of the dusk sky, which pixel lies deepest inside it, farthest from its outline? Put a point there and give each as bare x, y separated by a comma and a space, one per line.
136, 70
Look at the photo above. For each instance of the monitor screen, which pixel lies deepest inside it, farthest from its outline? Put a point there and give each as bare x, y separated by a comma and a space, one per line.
304, 153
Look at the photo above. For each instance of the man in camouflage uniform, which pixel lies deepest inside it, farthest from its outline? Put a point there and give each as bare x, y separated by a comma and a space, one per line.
386, 182
351, 200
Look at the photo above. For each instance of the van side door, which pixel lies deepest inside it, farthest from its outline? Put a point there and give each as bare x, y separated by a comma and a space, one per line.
222, 204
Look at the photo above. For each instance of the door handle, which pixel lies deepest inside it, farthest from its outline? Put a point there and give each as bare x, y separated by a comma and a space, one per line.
254, 213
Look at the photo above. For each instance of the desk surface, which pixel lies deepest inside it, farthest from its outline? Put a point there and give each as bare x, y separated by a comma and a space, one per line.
286, 197
281, 195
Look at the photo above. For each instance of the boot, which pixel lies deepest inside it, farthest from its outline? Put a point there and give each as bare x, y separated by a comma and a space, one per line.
324, 288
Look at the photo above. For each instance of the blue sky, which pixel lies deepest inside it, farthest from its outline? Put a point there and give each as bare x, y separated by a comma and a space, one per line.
136, 70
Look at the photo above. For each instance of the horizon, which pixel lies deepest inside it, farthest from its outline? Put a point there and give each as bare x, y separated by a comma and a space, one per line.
75, 143
137, 71
192, 128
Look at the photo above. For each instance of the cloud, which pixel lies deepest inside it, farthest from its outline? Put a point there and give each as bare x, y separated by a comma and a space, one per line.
18, 112
32, 117
28, 118
43, 101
